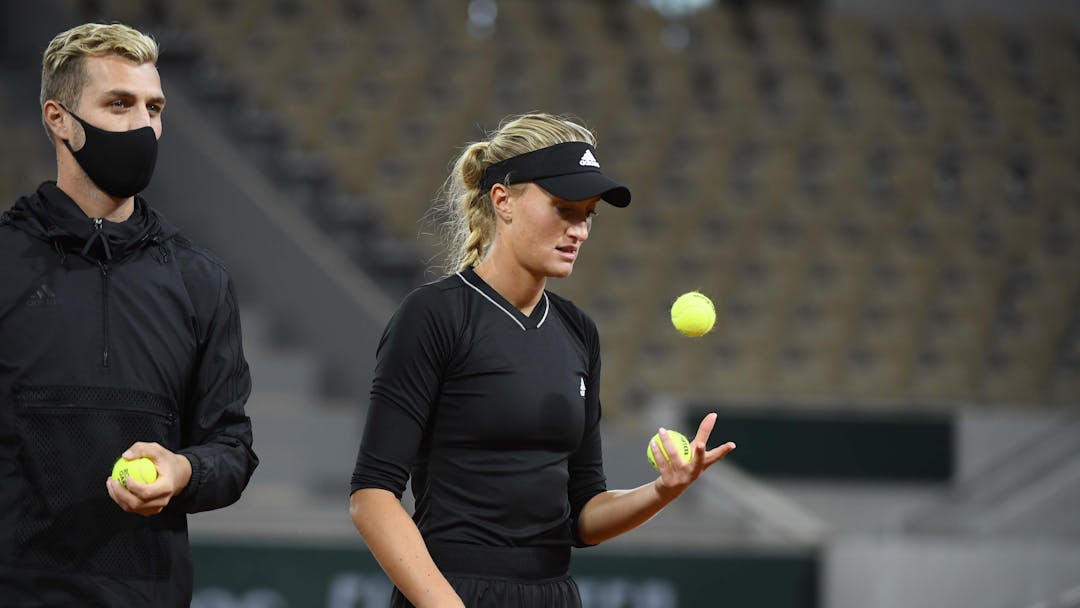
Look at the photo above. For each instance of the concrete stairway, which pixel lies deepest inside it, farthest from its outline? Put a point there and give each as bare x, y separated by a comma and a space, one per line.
306, 446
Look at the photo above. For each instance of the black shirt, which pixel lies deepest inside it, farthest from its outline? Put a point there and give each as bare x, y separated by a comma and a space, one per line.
495, 413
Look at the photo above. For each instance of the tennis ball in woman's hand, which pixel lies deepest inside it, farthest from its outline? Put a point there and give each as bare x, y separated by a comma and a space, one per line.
682, 444
693, 314
141, 469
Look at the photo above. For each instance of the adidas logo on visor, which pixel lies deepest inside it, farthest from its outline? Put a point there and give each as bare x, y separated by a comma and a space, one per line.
588, 160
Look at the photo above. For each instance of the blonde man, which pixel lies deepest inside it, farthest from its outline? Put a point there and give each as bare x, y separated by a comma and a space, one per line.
118, 337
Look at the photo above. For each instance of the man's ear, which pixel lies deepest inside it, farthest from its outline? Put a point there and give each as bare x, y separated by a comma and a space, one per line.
56, 120
500, 201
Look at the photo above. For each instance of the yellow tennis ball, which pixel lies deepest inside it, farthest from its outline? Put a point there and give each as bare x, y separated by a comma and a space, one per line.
693, 314
141, 469
681, 443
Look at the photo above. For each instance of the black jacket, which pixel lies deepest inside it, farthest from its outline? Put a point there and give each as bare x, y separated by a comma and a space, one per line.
110, 333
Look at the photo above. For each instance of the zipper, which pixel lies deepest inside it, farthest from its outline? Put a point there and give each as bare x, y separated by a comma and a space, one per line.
169, 417
104, 290
98, 236
61, 399
104, 312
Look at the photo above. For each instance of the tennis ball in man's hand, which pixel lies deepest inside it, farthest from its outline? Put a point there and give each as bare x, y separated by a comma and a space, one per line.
141, 469
682, 444
693, 314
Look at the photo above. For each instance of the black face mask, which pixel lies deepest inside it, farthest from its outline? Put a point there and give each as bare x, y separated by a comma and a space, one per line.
121, 163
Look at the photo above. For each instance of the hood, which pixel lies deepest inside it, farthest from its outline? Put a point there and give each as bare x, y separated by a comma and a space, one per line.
50, 215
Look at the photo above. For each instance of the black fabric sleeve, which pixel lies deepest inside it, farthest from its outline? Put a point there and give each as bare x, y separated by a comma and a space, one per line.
587, 477
216, 433
411, 359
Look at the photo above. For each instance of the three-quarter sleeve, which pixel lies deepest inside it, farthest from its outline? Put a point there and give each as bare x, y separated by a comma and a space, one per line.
411, 360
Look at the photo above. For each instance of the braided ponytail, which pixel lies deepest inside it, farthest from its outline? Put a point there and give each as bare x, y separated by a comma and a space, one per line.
464, 213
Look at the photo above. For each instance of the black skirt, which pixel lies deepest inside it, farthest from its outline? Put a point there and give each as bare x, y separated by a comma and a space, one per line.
497, 577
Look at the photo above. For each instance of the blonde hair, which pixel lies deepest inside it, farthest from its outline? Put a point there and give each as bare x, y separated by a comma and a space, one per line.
465, 214
63, 71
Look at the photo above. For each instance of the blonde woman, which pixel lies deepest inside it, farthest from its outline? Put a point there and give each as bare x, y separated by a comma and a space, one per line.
486, 392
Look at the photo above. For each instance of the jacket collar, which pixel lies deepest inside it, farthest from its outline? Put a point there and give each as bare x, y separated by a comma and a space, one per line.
50, 214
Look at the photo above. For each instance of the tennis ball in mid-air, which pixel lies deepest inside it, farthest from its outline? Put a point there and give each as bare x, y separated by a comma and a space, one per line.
693, 314
681, 443
141, 469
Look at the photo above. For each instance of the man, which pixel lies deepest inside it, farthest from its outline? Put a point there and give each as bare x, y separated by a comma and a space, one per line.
117, 337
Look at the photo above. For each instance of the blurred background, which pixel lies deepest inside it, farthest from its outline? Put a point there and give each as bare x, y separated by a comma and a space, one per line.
882, 198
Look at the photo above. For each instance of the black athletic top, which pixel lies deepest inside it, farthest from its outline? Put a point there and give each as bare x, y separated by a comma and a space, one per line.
495, 413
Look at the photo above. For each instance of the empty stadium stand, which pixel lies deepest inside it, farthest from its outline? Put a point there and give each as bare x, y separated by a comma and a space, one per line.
880, 211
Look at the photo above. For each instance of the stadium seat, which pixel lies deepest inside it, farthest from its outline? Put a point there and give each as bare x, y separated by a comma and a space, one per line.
855, 195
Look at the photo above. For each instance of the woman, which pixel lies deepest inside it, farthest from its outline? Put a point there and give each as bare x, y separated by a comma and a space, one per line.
486, 390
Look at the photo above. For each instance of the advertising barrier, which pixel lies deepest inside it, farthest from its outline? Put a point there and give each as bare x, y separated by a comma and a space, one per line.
273, 576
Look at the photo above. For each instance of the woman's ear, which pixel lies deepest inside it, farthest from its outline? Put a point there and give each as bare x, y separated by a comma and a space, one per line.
500, 201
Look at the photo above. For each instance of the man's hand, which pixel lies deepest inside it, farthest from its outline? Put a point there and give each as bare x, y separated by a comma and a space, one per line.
174, 472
